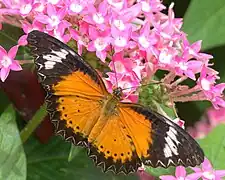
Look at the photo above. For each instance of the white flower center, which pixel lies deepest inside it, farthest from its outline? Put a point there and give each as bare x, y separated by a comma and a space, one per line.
119, 67
209, 175
206, 85
100, 44
191, 51
180, 178
120, 41
116, 3
165, 58
6, 61
183, 66
25, 9
40, 8
98, 18
119, 24
55, 20
143, 41
145, 6
53, 1
77, 8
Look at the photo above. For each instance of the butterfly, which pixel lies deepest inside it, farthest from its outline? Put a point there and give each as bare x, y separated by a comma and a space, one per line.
119, 136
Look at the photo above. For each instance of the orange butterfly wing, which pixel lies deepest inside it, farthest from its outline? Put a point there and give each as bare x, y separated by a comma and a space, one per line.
74, 89
137, 135
119, 141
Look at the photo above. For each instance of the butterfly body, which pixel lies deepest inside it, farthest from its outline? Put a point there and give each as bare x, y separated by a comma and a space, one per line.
119, 136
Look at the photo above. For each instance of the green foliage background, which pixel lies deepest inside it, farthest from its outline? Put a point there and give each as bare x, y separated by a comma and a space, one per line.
203, 20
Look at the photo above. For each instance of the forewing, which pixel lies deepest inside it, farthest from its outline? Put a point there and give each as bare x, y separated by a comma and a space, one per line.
57, 63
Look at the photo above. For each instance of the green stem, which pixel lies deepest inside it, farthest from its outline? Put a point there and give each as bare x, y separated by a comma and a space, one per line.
33, 123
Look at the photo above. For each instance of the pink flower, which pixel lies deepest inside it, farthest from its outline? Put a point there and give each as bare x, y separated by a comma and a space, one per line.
7, 62
145, 39
81, 36
100, 42
212, 92
208, 173
201, 129
187, 67
22, 7
60, 34
76, 6
54, 2
180, 174
179, 122
97, 16
128, 82
121, 39
117, 4
27, 27
54, 17
216, 116
121, 65
148, 6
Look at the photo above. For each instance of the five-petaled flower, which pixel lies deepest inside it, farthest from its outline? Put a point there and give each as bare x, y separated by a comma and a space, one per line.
7, 62
181, 174
208, 172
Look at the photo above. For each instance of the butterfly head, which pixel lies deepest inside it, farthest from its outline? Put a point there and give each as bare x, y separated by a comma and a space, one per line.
117, 92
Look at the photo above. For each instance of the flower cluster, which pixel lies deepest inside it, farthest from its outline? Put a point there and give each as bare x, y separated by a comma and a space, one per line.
133, 35
209, 120
206, 172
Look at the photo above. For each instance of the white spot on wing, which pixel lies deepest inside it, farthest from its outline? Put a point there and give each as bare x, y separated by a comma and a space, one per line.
62, 53
171, 143
49, 64
50, 57
172, 134
167, 151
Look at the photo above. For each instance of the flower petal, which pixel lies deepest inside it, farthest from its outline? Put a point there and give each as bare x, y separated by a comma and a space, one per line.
51, 10
220, 173
4, 73
2, 51
180, 171
194, 176
206, 165
12, 52
167, 177
23, 40
15, 66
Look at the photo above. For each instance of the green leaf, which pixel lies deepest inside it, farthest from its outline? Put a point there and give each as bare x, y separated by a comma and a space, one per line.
160, 171
50, 162
9, 36
205, 20
214, 146
74, 151
12, 156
